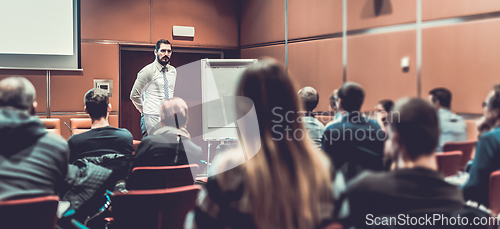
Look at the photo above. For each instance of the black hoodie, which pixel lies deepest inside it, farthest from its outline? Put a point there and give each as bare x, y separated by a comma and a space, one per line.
32, 162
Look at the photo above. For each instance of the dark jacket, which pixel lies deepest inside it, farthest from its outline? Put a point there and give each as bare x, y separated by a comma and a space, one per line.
32, 162
164, 148
100, 141
356, 141
403, 191
486, 161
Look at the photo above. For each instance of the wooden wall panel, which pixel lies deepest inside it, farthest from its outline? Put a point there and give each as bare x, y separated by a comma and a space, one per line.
374, 61
99, 61
432, 9
317, 64
314, 17
262, 21
215, 21
464, 58
374, 13
39, 81
124, 20
276, 51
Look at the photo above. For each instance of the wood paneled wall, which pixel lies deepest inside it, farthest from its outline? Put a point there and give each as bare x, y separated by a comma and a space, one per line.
105, 24
322, 50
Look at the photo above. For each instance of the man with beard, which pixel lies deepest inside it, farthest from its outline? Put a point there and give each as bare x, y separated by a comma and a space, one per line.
155, 83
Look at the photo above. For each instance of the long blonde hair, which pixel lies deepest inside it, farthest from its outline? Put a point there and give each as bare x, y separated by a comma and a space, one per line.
288, 178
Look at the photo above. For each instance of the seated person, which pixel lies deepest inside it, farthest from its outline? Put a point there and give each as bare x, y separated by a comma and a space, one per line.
32, 161
383, 109
415, 186
453, 126
101, 139
334, 100
171, 144
356, 142
286, 184
487, 158
314, 128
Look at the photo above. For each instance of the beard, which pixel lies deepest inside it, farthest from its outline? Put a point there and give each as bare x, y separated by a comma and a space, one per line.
164, 61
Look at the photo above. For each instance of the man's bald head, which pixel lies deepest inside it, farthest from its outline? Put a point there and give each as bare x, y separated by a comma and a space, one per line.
171, 108
18, 93
309, 97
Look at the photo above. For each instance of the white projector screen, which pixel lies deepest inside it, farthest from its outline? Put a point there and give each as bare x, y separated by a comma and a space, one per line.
39, 34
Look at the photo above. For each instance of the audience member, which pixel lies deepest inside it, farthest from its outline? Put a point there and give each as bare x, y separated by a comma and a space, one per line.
334, 100
170, 144
355, 142
487, 158
101, 139
383, 109
286, 184
314, 128
32, 161
415, 186
453, 127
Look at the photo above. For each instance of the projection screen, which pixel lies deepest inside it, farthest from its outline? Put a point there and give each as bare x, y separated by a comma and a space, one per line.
40, 34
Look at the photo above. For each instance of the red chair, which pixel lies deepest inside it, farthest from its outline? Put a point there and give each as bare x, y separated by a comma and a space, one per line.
163, 208
80, 125
52, 125
449, 162
466, 148
334, 226
494, 192
161, 177
40, 212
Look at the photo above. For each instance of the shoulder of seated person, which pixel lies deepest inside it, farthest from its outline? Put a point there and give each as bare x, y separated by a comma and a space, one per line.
367, 180
56, 141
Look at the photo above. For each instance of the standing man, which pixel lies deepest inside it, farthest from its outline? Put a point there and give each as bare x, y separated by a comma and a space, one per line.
155, 83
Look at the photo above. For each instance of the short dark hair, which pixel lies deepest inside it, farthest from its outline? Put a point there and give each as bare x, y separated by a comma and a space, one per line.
417, 123
17, 92
494, 102
352, 96
161, 41
387, 104
443, 95
96, 102
309, 97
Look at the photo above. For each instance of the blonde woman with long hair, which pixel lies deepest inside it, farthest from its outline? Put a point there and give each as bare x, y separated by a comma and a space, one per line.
286, 184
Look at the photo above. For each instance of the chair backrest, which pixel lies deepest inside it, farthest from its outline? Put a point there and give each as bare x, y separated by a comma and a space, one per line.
161, 177
80, 125
449, 162
494, 192
40, 212
53, 125
466, 148
160, 208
